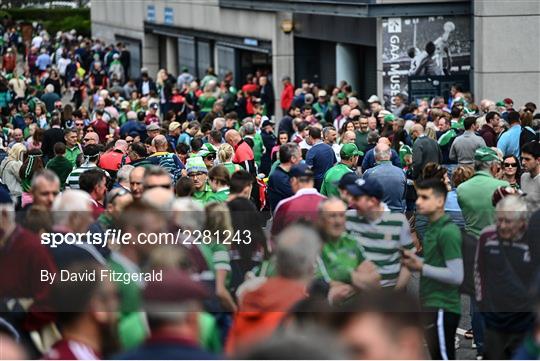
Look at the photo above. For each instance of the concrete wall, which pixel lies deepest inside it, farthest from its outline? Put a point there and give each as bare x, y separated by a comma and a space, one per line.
506, 50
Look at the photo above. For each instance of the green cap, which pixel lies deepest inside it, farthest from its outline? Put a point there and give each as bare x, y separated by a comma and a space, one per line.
405, 150
206, 149
349, 150
485, 154
389, 118
341, 96
500, 104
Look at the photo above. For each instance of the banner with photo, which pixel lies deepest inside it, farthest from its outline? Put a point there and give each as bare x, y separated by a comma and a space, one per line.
423, 46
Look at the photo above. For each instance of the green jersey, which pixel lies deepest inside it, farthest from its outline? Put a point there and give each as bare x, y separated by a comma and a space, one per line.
204, 195
338, 259
331, 178
72, 154
475, 200
220, 196
381, 241
231, 167
442, 242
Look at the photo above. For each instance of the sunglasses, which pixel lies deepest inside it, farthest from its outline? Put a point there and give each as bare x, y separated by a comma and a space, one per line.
510, 165
210, 157
79, 124
86, 139
120, 193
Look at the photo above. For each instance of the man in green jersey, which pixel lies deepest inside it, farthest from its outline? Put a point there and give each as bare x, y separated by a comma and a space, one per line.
197, 171
441, 270
475, 195
349, 158
341, 264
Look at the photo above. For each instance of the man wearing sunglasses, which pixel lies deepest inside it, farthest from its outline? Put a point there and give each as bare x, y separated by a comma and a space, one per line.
90, 138
198, 173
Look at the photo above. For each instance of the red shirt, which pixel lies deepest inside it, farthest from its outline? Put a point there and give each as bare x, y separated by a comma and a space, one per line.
242, 153
9, 62
71, 350
303, 205
22, 259
112, 160
101, 128
287, 96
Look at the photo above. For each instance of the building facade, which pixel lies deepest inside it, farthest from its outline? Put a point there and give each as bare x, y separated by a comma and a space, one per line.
489, 47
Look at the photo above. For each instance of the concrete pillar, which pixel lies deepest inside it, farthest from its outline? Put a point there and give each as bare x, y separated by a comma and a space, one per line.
172, 55
150, 53
282, 58
506, 52
347, 64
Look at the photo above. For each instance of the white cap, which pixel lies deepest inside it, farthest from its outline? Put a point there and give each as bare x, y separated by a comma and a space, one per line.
322, 93
373, 99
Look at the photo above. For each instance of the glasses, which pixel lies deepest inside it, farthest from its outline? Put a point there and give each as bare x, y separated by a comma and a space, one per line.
120, 193
510, 165
86, 139
195, 175
79, 124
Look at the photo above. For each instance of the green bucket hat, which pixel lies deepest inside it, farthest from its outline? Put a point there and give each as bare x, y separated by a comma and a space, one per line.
196, 164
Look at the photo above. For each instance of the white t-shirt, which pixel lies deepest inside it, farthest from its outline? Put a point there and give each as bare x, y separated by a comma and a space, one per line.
531, 187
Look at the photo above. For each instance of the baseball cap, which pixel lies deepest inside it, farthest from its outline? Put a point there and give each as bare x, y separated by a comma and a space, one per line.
267, 122
301, 170
499, 104
485, 154
174, 126
152, 126
322, 93
196, 164
341, 96
347, 180
349, 150
373, 99
389, 118
363, 187
508, 101
124, 104
154, 105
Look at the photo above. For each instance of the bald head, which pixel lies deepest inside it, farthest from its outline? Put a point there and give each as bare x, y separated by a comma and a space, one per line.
384, 140
417, 130
136, 179
355, 113
232, 137
91, 138
160, 198
382, 152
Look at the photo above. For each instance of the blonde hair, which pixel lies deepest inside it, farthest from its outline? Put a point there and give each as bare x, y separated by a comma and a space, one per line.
225, 153
17, 152
218, 217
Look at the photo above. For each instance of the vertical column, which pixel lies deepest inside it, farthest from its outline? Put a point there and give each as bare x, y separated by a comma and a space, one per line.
150, 53
346, 64
282, 57
172, 55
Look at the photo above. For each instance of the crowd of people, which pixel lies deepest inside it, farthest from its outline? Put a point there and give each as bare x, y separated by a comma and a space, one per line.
341, 230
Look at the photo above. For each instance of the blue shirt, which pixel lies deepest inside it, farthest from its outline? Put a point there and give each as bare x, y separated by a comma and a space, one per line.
452, 208
320, 157
43, 61
369, 159
509, 141
393, 182
279, 187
